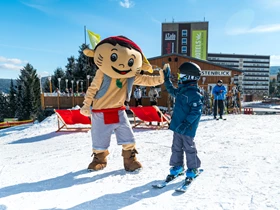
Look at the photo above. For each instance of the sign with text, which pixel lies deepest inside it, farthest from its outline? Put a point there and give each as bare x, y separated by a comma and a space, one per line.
169, 40
199, 44
216, 73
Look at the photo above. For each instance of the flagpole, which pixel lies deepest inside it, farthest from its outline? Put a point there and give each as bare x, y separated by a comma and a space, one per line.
85, 28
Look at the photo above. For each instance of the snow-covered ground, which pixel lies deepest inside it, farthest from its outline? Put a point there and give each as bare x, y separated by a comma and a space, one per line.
43, 170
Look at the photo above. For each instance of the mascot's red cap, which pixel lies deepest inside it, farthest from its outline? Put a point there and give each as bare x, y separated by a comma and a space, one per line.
123, 39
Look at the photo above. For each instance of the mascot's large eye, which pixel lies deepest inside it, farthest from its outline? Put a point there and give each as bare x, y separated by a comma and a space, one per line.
114, 57
130, 62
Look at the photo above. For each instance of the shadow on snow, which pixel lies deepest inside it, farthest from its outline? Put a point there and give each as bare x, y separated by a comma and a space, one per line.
64, 181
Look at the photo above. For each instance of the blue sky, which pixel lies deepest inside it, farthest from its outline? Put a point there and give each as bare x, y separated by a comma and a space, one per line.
46, 32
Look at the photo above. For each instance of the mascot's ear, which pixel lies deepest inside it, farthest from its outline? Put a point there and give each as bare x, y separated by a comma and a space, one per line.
88, 52
146, 66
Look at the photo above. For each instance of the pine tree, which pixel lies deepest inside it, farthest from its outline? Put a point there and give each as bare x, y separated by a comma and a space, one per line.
12, 100
27, 104
70, 68
3, 106
81, 66
84, 67
36, 94
59, 73
28, 96
20, 112
46, 86
69, 72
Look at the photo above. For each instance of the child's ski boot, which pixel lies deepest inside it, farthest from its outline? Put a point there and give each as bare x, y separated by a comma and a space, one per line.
175, 171
192, 173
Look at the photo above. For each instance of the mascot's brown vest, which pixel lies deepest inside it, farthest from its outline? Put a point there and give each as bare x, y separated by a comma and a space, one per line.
106, 83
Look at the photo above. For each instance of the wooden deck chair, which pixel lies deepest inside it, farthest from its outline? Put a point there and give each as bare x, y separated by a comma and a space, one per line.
69, 120
149, 114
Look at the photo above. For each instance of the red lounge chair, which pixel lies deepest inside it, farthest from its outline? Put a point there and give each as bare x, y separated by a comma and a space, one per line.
149, 114
70, 119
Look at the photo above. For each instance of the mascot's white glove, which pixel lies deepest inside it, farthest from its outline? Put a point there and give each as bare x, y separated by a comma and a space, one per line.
166, 71
85, 110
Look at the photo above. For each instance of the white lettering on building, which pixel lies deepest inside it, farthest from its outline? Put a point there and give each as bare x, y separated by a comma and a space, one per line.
170, 36
216, 73
198, 46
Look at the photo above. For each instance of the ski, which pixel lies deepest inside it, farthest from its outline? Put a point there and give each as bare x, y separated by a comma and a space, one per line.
187, 182
221, 119
168, 180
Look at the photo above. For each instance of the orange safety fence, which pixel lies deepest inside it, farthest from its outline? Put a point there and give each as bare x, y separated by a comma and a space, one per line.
14, 123
248, 110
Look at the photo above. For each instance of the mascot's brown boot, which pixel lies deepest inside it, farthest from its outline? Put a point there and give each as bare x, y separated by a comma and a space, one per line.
129, 160
99, 161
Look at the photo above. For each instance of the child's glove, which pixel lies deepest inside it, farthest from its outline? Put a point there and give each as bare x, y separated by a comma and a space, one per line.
85, 110
182, 127
166, 71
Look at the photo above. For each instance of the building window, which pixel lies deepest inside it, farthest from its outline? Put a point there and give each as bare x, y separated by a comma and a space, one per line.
184, 49
184, 33
184, 41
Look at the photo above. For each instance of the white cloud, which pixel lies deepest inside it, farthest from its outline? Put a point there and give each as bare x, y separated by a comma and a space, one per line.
11, 60
265, 28
7, 66
11, 63
36, 6
258, 29
45, 73
127, 3
275, 60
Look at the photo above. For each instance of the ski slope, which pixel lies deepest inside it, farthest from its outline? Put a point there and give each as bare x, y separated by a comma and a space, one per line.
44, 170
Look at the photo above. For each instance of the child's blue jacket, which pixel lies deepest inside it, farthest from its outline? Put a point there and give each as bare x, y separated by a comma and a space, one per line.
188, 107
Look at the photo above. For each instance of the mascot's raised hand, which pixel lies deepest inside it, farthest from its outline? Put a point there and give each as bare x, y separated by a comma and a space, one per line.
166, 71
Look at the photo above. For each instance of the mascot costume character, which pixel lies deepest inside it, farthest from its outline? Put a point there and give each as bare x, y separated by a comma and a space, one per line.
119, 62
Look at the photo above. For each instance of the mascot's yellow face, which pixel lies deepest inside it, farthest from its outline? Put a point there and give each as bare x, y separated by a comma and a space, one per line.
117, 61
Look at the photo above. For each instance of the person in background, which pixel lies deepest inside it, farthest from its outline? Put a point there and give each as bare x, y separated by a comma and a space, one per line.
153, 94
219, 92
70, 92
234, 100
66, 92
56, 92
137, 95
185, 119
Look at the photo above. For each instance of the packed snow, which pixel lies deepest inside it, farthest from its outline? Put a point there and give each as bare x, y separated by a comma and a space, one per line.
46, 170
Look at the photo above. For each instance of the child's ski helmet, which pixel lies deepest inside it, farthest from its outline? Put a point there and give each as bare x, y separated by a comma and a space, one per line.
189, 71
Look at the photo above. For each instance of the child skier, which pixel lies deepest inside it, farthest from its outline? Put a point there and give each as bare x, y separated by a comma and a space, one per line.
186, 115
